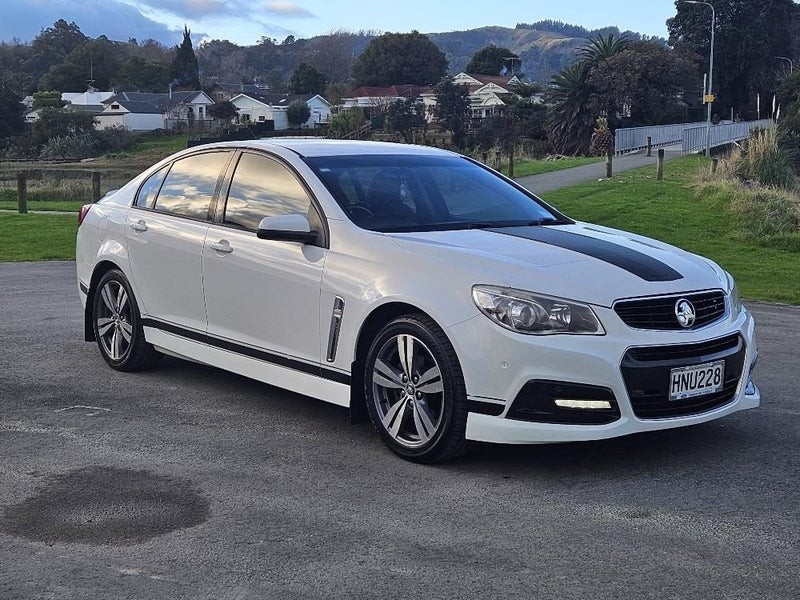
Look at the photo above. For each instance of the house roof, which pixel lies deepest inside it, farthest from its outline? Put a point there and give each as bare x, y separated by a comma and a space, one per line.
149, 103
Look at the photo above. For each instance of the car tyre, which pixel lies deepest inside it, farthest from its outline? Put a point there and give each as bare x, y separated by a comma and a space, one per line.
415, 391
117, 325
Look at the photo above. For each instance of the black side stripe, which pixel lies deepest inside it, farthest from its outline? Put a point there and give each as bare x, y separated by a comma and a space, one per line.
263, 355
633, 261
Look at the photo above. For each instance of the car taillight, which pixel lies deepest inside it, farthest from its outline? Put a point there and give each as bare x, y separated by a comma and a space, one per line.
84, 211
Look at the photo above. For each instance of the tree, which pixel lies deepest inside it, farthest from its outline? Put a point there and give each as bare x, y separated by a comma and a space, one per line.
571, 122
307, 80
140, 74
52, 45
493, 60
643, 80
60, 122
403, 116
12, 121
297, 113
400, 58
224, 110
332, 54
95, 62
452, 109
748, 35
602, 48
184, 71
49, 99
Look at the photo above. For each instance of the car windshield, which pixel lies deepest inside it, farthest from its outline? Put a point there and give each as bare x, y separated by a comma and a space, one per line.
393, 193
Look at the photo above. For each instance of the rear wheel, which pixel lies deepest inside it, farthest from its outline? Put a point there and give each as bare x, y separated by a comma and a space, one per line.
118, 325
415, 390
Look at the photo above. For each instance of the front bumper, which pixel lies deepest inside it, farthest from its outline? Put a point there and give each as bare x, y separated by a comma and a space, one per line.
497, 365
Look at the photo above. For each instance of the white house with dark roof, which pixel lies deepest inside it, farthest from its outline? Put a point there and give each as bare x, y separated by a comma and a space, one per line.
260, 108
139, 111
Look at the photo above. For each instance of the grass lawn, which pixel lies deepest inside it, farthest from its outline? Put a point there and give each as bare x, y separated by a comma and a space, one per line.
57, 205
523, 168
674, 212
37, 237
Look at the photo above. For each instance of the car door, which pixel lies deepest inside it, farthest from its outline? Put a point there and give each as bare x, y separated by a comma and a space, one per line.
264, 293
166, 231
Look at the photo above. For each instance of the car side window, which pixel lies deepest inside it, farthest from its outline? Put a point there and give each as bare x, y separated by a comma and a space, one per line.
189, 186
147, 193
262, 187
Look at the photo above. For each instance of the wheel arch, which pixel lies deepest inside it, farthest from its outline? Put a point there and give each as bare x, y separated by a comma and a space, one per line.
100, 269
374, 322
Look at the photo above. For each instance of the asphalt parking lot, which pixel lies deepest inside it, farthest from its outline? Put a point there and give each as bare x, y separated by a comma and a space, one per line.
187, 482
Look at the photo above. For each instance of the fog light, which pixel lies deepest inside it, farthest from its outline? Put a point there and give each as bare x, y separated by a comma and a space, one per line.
583, 404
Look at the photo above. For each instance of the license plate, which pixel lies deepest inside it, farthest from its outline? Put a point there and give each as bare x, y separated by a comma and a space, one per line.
697, 380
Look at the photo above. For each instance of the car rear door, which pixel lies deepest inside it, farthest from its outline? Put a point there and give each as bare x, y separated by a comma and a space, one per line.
264, 294
166, 232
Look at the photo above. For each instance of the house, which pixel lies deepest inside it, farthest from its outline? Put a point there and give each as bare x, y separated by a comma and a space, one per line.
382, 97
90, 101
261, 108
139, 111
486, 94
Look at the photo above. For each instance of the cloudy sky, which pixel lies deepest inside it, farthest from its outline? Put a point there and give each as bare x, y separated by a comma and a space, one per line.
245, 21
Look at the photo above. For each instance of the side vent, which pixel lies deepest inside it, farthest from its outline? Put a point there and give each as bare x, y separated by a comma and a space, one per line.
336, 325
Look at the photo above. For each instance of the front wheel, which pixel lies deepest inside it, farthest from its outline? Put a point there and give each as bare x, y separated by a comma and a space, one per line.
415, 390
118, 325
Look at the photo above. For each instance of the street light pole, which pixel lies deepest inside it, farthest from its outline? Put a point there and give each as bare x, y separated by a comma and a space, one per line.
710, 70
791, 63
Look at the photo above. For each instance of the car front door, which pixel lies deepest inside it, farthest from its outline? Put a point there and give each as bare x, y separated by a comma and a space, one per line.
166, 231
264, 294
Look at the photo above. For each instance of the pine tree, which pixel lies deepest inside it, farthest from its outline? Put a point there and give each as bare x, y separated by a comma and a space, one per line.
184, 72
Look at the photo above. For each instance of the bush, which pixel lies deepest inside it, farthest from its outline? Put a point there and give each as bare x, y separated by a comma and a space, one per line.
77, 146
763, 161
114, 139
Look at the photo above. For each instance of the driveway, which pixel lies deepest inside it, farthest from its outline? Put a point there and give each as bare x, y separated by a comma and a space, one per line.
187, 482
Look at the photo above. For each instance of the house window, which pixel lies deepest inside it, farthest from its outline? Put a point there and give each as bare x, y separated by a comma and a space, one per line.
262, 118
115, 107
200, 112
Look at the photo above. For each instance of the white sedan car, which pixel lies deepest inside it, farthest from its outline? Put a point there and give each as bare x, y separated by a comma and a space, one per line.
413, 285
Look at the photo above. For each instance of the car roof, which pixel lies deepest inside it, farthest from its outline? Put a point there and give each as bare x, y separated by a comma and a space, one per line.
314, 146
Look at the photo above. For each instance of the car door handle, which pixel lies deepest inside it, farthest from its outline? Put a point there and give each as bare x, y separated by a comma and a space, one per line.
139, 225
222, 246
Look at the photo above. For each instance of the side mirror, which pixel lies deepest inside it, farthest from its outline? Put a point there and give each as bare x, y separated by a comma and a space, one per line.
287, 228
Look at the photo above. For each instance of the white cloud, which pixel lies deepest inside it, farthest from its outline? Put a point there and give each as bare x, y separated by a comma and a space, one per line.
286, 9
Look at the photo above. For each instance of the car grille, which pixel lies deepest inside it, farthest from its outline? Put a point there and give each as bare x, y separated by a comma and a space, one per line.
646, 372
659, 313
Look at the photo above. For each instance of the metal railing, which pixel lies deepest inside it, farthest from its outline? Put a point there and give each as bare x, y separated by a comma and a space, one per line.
631, 139
694, 138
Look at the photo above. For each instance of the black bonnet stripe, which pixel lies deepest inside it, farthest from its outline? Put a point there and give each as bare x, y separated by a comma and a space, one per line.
633, 261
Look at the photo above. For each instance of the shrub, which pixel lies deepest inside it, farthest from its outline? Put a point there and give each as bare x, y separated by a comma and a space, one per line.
763, 161
77, 146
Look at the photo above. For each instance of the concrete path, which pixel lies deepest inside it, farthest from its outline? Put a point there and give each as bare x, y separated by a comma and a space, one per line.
547, 182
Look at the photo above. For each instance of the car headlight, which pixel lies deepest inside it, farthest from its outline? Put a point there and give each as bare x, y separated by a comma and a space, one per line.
733, 295
526, 312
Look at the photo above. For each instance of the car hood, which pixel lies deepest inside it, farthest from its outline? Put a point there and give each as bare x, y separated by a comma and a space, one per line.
581, 261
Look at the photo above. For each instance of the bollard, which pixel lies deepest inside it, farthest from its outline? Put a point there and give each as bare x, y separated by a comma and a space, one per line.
660, 167
22, 193
95, 186
609, 162
649, 146
714, 164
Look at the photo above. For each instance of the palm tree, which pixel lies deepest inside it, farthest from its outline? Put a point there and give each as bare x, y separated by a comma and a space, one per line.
601, 48
570, 123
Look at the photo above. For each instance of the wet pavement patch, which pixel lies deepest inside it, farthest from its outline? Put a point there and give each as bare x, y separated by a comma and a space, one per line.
105, 505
